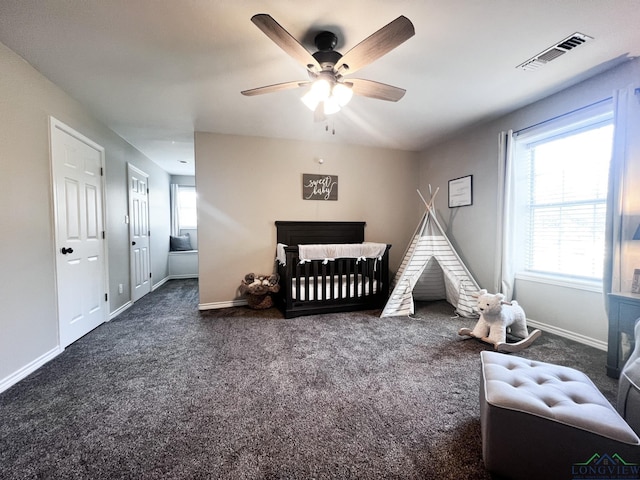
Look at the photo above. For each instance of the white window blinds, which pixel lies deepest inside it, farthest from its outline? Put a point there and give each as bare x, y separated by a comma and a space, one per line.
562, 171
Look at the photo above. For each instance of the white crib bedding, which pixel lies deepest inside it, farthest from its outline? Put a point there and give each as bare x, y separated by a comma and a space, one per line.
362, 288
329, 252
341, 250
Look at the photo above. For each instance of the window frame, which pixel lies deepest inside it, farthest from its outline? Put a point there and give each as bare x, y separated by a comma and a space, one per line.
572, 123
183, 188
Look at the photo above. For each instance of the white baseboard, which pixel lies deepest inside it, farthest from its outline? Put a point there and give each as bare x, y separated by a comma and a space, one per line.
28, 369
160, 283
218, 305
172, 277
119, 310
561, 332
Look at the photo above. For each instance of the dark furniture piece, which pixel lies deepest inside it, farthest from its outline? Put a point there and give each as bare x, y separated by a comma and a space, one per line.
624, 310
344, 284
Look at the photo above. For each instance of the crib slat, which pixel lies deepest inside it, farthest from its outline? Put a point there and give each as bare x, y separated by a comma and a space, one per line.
365, 276
306, 281
323, 274
314, 280
339, 279
299, 276
356, 270
332, 288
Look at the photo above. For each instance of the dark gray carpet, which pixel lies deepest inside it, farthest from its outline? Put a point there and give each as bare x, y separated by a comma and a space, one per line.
164, 391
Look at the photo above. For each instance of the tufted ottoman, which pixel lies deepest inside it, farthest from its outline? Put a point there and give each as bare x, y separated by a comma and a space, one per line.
541, 420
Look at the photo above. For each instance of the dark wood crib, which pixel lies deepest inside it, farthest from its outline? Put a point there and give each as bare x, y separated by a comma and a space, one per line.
340, 285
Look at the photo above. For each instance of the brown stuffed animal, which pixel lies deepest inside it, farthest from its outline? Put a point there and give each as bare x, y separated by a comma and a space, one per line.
253, 284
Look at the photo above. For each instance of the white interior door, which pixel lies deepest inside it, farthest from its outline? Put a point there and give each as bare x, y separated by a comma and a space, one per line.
139, 232
77, 166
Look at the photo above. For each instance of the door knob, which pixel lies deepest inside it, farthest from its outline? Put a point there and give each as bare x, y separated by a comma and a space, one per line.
66, 250
133, 243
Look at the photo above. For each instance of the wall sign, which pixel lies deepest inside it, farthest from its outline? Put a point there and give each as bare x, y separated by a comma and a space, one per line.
319, 187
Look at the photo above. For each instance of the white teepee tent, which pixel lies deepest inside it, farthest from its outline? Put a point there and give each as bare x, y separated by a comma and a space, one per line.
431, 270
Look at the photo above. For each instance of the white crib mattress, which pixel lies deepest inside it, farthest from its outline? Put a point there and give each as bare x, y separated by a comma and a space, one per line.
370, 287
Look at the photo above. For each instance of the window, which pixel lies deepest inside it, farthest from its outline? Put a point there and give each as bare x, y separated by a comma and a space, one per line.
183, 207
561, 178
187, 207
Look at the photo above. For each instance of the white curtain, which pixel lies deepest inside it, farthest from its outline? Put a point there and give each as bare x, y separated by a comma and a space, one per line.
175, 211
622, 109
504, 276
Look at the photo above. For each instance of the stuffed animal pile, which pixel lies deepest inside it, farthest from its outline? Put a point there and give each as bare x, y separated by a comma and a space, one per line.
260, 284
258, 289
253, 284
497, 318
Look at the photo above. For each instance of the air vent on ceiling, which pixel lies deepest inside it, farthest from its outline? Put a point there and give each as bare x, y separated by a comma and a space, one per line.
555, 51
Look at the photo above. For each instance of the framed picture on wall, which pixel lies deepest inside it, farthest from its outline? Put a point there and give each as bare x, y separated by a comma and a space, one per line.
461, 191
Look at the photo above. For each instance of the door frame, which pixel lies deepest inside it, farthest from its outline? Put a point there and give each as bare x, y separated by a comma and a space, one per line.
55, 124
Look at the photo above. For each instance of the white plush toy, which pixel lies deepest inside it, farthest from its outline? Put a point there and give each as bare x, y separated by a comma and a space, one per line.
498, 317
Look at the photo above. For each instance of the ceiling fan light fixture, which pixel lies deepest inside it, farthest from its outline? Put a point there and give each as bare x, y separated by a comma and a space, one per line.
342, 94
310, 101
319, 92
331, 106
321, 88
333, 98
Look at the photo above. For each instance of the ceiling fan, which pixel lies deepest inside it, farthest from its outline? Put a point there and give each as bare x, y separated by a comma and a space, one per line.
326, 68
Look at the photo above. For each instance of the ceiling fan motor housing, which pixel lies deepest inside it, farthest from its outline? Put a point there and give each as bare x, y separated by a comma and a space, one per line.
326, 41
326, 56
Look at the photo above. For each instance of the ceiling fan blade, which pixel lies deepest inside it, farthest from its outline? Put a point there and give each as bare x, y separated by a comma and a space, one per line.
371, 89
274, 88
285, 41
376, 45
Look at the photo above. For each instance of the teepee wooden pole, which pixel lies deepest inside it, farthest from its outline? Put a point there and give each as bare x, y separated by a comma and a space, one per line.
423, 200
433, 197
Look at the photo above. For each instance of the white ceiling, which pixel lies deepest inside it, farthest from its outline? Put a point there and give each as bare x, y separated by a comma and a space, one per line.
155, 71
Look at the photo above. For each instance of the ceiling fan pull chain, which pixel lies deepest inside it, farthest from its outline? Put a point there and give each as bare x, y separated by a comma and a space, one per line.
333, 128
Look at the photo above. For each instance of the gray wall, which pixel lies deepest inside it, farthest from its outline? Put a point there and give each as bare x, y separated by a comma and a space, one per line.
575, 313
188, 180
28, 322
245, 184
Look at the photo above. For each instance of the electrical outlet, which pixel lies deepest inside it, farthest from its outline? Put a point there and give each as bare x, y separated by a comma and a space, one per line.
120, 288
